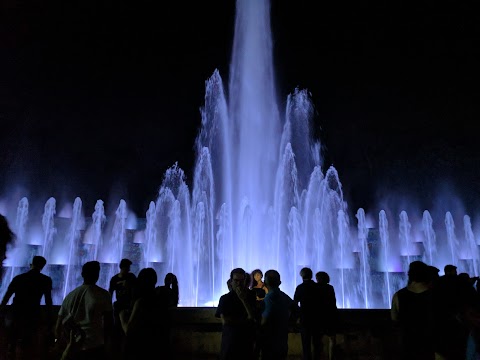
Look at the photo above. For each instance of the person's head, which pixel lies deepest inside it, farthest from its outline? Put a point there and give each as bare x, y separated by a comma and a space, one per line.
169, 279
125, 265
272, 279
257, 276
147, 279
91, 272
306, 273
238, 278
464, 278
38, 262
322, 277
418, 272
450, 270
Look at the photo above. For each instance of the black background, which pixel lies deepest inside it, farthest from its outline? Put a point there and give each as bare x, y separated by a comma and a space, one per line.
98, 98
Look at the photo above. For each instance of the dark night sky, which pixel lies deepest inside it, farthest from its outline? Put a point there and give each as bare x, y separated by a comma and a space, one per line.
98, 98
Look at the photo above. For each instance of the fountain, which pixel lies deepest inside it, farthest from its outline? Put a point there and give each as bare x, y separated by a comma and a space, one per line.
261, 198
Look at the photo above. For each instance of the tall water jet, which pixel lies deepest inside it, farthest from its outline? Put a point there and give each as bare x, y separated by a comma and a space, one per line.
48, 224
405, 239
73, 238
385, 257
429, 242
470, 249
451, 237
365, 278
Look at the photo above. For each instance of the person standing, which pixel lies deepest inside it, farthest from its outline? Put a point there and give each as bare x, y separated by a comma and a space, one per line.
411, 313
276, 315
90, 306
169, 290
328, 311
122, 286
237, 311
29, 288
307, 296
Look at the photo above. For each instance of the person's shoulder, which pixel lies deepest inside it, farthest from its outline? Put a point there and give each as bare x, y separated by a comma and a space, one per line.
45, 277
100, 290
285, 295
131, 275
72, 294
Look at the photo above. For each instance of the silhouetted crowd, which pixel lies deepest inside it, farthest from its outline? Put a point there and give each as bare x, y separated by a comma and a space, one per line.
435, 317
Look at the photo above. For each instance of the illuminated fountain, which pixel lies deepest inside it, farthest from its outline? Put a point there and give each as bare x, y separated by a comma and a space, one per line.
260, 199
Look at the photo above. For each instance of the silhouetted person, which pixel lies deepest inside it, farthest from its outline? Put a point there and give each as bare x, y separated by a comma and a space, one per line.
451, 332
328, 312
144, 325
91, 308
122, 286
169, 290
276, 317
411, 313
29, 288
307, 297
237, 311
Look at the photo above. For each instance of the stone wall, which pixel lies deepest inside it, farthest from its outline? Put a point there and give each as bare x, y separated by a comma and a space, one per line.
362, 335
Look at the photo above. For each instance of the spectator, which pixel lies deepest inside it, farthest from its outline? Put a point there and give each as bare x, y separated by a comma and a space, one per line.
29, 288
257, 284
411, 313
237, 311
307, 297
144, 326
122, 285
169, 290
90, 307
449, 300
275, 319
328, 312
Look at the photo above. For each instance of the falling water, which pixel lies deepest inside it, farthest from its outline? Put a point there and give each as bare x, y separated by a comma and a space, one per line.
150, 236
384, 238
96, 229
365, 278
48, 223
429, 242
405, 240
451, 238
471, 248
73, 240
